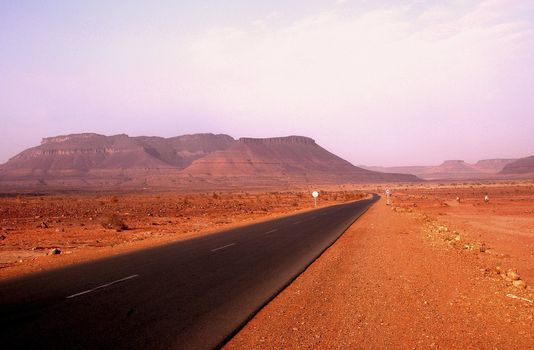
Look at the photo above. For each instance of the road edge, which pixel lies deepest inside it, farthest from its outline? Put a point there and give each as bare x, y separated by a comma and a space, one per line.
375, 198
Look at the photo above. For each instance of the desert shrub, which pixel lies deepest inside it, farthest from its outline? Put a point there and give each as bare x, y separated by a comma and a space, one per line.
114, 222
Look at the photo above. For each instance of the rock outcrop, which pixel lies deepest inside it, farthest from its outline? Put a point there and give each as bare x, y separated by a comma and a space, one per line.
83, 160
452, 170
520, 166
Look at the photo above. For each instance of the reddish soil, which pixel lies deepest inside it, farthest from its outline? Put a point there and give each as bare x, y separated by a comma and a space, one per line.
422, 273
32, 226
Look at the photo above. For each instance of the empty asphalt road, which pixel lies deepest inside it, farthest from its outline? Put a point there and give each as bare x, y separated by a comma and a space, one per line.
191, 294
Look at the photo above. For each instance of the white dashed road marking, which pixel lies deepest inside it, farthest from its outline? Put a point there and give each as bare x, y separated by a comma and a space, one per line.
224, 246
102, 286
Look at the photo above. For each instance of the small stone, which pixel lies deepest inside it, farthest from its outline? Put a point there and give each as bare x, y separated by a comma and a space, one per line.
2, 237
512, 275
505, 277
43, 225
54, 251
483, 248
519, 284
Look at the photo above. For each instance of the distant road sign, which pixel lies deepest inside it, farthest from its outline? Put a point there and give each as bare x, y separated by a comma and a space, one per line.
315, 194
388, 192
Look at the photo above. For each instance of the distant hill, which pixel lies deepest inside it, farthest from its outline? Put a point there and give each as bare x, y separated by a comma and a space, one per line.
86, 160
452, 170
520, 166
79, 154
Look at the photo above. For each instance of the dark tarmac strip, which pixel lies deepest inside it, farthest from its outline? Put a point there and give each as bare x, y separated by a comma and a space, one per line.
192, 294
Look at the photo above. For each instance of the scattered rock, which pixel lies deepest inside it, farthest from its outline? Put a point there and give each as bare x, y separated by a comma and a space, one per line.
505, 277
511, 274
483, 247
114, 222
54, 251
2, 237
43, 225
519, 284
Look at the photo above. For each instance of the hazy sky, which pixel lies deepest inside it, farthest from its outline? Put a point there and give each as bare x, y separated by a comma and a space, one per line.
376, 82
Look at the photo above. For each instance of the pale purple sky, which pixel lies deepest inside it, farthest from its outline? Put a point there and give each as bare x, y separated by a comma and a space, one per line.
376, 82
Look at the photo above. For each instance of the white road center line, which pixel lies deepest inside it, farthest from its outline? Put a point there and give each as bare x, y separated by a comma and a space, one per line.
271, 231
224, 246
102, 286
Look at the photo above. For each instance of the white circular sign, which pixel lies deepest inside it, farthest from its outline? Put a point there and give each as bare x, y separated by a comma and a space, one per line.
315, 194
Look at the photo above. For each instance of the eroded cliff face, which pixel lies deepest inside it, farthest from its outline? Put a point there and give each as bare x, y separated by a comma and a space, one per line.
73, 137
287, 140
493, 165
79, 153
520, 166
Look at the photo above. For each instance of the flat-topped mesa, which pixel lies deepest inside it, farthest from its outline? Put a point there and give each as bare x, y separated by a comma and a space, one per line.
287, 140
453, 162
63, 138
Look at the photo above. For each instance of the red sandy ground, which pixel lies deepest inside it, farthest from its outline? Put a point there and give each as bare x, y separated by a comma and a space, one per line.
413, 276
73, 223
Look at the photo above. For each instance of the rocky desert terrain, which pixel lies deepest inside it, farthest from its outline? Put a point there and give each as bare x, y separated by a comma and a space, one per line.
44, 231
446, 265
429, 271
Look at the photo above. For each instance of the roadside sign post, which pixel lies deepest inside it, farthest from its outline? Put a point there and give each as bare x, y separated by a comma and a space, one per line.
388, 192
315, 194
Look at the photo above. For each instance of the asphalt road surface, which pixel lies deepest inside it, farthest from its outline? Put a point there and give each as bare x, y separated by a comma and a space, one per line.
193, 294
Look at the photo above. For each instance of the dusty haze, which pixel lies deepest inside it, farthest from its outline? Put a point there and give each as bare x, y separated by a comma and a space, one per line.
379, 83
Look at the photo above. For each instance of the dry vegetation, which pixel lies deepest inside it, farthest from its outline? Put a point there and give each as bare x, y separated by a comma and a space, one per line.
87, 225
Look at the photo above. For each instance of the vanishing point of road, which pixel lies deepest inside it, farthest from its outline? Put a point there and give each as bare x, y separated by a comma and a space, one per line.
191, 294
